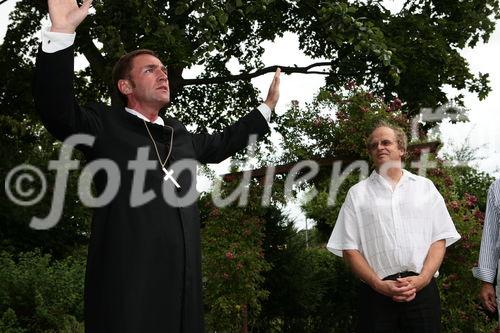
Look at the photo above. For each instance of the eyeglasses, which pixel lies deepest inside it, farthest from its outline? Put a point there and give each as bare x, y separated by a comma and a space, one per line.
384, 143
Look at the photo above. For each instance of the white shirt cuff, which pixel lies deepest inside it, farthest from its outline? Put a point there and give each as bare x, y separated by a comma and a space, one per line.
56, 41
484, 274
265, 111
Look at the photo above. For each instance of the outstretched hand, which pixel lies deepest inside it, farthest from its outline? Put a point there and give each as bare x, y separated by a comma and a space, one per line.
274, 90
65, 15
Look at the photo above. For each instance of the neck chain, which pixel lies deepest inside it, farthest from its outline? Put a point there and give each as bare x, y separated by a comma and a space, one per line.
168, 173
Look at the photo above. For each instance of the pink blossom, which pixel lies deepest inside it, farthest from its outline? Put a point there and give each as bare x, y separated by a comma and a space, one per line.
230, 255
471, 199
479, 215
396, 104
436, 172
454, 205
215, 212
341, 115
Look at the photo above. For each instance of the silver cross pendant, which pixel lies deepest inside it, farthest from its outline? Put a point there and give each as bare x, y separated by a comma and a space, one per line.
168, 175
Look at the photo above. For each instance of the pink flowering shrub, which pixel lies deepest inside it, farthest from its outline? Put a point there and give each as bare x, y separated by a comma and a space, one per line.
336, 123
459, 289
233, 264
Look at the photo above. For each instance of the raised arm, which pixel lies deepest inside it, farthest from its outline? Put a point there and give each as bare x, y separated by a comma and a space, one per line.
53, 80
219, 146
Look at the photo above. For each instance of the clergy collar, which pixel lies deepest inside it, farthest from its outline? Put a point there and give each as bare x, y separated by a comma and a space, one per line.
158, 120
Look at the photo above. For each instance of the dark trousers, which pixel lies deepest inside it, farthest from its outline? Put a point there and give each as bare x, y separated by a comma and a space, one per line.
379, 313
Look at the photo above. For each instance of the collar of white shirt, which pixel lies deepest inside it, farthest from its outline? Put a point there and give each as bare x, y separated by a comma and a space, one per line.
158, 120
406, 175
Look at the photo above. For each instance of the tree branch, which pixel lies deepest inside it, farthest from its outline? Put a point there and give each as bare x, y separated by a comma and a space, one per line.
94, 57
2, 1
259, 72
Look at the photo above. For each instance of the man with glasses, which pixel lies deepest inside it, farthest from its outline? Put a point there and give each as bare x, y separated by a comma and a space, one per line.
392, 230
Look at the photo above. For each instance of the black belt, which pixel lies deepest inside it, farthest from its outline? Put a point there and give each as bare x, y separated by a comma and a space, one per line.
399, 275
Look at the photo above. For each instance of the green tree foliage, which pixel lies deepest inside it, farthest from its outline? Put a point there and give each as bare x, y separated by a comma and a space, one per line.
470, 181
412, 53
310, 289
38, 294
15, 234
424, 39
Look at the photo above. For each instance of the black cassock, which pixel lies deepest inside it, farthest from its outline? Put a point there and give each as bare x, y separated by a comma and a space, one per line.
144, 262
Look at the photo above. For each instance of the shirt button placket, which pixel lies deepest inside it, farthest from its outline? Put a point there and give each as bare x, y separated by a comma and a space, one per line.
398, 235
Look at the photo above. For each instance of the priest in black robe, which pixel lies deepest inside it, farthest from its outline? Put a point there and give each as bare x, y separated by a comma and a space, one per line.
144, 260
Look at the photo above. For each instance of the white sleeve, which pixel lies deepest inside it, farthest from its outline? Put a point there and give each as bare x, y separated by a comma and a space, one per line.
56, 41
265, 111
345, 235
442, 226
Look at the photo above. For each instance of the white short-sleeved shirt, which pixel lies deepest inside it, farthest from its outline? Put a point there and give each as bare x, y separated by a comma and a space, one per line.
392, 229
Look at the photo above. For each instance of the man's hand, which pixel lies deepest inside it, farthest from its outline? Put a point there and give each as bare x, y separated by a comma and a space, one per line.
418, 282
399, 291
487, 296
65, 15
274, 90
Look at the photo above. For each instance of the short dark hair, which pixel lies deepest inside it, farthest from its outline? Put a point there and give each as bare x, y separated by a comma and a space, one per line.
398, 131
123, 66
